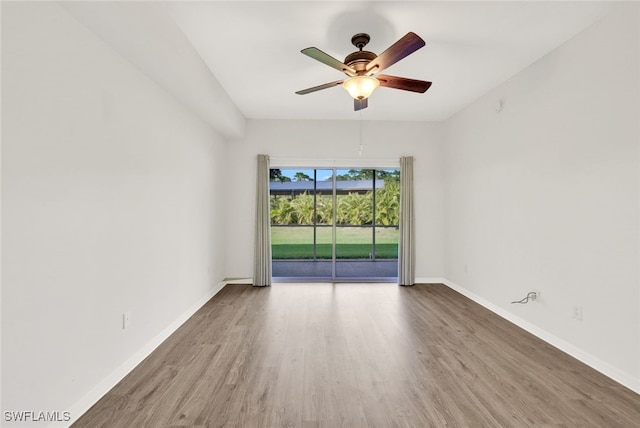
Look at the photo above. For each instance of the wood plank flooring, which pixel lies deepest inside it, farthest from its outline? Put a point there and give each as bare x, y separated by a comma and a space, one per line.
358, 355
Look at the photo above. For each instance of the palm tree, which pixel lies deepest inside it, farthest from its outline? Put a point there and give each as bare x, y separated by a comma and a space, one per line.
282, 211
275, 174
355, 209
303, 206
388, 204
301, 176
324, 209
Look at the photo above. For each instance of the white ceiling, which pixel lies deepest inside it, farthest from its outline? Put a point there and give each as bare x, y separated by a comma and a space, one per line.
233, 60
253, 50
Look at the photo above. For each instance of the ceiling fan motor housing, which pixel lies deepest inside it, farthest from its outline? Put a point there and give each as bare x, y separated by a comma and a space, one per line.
359, 60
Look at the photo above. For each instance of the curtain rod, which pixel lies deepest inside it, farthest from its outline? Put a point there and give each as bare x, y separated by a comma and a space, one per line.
332, 163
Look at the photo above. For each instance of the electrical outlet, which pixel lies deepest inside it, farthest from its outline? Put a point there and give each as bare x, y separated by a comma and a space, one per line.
577, 312
126, 320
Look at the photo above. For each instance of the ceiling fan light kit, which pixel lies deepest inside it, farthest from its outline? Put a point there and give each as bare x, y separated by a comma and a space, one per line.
363, 67
360, 87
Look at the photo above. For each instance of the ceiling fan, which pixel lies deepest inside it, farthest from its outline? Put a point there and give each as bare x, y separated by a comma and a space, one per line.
363, 67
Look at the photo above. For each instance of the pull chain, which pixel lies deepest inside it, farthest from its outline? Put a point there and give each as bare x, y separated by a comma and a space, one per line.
360, 136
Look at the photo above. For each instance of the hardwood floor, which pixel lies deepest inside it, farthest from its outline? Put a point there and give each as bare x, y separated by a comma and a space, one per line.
358, 355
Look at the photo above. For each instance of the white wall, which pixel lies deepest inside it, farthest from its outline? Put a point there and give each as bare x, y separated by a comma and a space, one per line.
544, 195
114, 198
322, 143
112, 201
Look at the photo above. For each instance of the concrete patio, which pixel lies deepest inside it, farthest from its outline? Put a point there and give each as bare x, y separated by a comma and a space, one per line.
377, 270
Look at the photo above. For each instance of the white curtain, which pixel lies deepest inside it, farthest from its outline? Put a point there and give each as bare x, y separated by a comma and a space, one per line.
262, 251
406, 244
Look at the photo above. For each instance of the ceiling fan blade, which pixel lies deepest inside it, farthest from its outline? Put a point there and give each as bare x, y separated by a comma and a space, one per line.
407, 45
360, 104
319, 87
403, 83
327, 59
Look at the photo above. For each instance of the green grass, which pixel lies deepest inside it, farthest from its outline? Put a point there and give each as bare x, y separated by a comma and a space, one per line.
352, 243
323, 251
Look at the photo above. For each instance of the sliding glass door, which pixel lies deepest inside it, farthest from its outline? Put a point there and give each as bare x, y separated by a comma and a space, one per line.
367, 202
334, 224
301, 223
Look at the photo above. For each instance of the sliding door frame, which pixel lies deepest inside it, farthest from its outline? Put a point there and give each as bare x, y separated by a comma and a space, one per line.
277, 163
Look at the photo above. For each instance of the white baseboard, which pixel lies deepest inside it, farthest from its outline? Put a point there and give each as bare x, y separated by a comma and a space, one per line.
92, 397
430, 280
594, 362
242, 281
